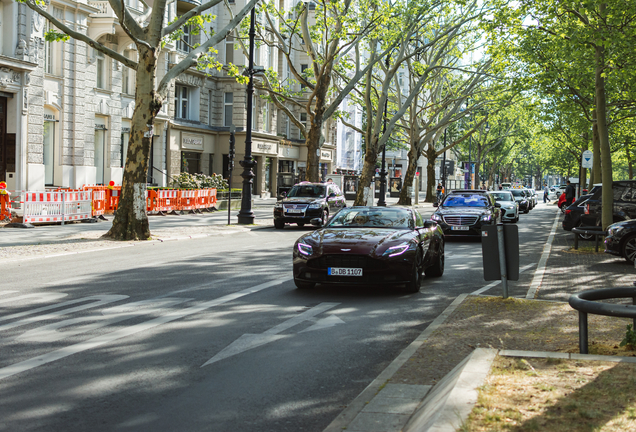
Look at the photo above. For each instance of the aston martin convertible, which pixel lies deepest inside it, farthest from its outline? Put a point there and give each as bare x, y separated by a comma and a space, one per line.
370, 246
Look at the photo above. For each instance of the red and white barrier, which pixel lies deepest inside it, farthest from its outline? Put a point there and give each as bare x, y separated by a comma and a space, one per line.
62, 206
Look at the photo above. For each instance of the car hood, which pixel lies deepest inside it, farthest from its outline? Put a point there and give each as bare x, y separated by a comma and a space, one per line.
357, 240
507, 203
462, 210
520, 198
301, 200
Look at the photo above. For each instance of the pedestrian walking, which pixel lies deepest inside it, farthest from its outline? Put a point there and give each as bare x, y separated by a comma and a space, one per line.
440, 190
546, 194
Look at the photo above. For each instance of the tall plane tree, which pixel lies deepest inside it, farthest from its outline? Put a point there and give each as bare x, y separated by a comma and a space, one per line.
148, 33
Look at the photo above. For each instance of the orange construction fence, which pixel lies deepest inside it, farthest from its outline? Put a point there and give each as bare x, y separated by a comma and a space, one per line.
5, 206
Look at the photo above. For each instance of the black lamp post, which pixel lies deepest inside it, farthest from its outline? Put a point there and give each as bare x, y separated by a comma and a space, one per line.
444, 165
470, 165
246, 215
383, 173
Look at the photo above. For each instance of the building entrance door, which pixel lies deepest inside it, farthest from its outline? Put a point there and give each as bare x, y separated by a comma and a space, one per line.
4, 151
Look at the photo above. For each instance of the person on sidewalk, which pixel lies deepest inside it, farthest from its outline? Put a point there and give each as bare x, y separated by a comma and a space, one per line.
569, 193
546, 194
439, 192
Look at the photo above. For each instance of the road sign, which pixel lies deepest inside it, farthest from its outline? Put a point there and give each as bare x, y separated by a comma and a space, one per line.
587, 159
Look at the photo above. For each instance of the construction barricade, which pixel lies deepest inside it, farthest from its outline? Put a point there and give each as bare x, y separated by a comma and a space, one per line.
113, 194
5, 206
61, 206
188, 199
167, 200
98, 195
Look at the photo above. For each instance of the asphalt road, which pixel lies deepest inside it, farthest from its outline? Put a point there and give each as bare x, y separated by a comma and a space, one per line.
209, 334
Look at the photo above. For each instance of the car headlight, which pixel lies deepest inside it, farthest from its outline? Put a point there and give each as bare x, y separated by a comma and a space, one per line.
397, 250
486, 218
305, 249
615, 230
435, 217
315, 205
278, 205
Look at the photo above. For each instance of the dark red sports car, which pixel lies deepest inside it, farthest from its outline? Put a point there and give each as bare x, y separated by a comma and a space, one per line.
370, 245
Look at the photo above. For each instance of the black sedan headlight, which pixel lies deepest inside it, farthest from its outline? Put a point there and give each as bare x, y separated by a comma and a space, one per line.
304, 250
613, 230
435, 217
315, 205
486, 218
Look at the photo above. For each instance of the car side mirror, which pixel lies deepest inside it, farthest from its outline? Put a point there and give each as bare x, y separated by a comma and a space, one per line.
283, 194
317, 222
435, 204
332, 195
498, 205
428, 224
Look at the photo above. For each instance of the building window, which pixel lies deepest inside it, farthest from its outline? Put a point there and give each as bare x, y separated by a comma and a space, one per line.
303, 68
128, 75
229, 49
101, 69
191, 162
48, 149
254, 119
181, 102
99, 153
266, 119
303, 119
227, 108
185, 42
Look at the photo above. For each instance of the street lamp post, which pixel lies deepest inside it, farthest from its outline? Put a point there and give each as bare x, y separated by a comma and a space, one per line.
470, 164
444, 165
246, 215
383, 173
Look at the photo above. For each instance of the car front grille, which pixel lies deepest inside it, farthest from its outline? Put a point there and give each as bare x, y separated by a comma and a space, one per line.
301, 209
347, 261
461, 220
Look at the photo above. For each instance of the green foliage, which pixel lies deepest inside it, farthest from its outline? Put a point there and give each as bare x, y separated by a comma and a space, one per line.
630, 338
199, 181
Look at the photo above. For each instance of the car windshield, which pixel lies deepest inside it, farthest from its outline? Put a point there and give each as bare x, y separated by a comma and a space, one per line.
503, 196
353, 217
307, 191
517, 193
465, 200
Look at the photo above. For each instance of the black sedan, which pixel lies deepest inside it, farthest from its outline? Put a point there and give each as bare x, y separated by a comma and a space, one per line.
621, 240
464, 212
522, 200
370, 246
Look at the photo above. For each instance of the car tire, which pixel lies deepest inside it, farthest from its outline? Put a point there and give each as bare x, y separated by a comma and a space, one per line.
304, 284
300, 224
413, 285
279, 224
628, 250
526, 211
437, 269
517, 218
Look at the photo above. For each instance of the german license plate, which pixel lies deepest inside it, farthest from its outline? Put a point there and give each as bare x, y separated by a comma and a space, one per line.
459, 228
342, 271
294, 211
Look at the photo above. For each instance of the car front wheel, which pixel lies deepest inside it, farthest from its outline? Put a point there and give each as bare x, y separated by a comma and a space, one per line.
413, 285
279, 224
437, 269
629, 248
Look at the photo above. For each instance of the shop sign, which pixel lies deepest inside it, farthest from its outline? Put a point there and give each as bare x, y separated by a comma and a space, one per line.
325, 155
302, 164
266, 148
49, 117
288, 152
192, 142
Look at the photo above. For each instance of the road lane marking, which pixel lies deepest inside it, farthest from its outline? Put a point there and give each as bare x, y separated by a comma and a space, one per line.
98, 341
51, 333
248, 341
495, 283
40, 297
96, 301
540, 271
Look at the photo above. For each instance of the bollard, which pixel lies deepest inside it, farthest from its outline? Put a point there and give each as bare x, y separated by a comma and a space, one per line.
502, 259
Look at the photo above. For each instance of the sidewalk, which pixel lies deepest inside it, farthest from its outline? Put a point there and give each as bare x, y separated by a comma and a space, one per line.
396, 400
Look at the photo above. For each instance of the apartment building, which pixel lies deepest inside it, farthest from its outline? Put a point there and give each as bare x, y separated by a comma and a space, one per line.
65, 108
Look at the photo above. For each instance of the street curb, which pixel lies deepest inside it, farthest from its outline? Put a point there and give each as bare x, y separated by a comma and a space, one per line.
356, 406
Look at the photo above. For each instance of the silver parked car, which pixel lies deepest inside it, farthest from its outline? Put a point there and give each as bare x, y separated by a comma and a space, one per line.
509, 206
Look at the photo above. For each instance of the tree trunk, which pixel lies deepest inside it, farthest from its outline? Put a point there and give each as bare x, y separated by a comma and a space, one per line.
601, 116
368, 171
314, 137
595, 174
630, 165
405, 198
131, 220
